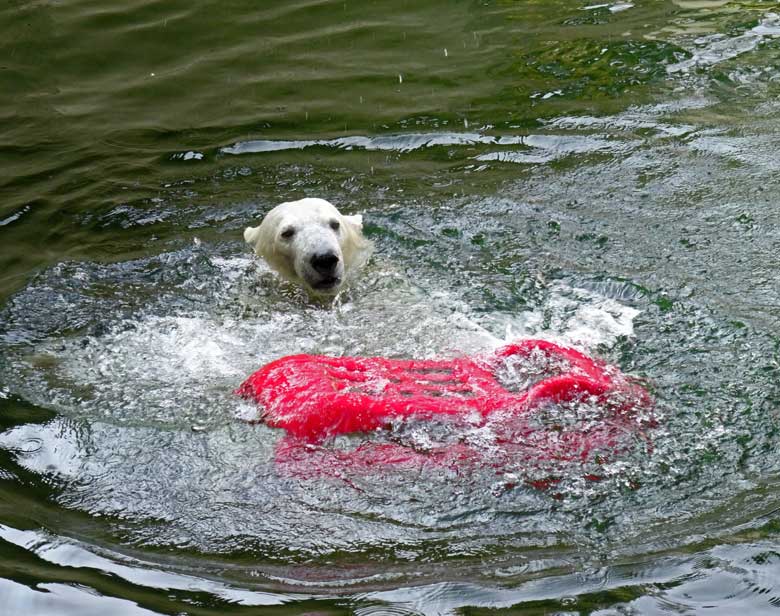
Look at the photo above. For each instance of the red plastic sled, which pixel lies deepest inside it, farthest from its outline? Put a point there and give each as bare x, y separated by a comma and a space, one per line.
315, 397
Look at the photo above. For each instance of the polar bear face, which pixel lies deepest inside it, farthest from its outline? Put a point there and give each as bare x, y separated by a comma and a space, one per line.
311, 243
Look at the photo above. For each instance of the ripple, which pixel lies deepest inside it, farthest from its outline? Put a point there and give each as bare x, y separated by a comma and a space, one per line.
716, 48
12, 218
723, 580
70, 553
399, 143
556, 145
149, 428
65, 599
616, 191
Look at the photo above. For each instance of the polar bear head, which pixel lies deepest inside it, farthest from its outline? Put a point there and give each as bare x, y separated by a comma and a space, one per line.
311, 243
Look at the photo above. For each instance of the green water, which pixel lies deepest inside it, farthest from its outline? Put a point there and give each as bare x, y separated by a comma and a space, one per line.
604, 175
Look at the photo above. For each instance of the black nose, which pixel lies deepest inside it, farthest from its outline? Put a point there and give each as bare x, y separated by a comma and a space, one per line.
325, 262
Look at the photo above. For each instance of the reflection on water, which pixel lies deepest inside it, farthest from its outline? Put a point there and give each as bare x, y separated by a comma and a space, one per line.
600, 175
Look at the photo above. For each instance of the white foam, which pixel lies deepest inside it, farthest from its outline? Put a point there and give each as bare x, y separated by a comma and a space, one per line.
561, 145
571, 316
149, 427
717, 48
182, 368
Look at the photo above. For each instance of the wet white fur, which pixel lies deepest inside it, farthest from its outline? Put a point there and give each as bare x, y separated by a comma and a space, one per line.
311, 220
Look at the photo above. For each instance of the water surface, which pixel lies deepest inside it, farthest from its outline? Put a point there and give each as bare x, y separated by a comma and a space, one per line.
602, 175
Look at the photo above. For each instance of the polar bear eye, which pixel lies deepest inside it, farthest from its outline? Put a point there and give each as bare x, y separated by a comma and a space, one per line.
334, 224
288, 233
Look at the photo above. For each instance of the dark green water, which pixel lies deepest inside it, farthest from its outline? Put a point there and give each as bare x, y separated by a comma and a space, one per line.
605, 175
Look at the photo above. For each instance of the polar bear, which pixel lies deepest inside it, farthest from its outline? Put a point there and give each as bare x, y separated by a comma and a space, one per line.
311, 243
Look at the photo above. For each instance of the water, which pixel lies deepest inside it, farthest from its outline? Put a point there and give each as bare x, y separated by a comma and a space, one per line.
602, 175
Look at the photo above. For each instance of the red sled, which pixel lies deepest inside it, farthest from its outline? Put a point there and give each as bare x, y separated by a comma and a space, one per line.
313, 397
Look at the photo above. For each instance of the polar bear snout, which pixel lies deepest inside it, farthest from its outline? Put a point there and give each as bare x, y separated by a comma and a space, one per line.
318, 258
325, 263
323, 271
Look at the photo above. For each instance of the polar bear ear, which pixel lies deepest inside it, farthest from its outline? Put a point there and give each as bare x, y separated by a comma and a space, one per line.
355, 219
251, 235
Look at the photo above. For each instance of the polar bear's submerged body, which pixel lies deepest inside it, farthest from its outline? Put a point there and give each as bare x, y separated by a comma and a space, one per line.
311, 243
